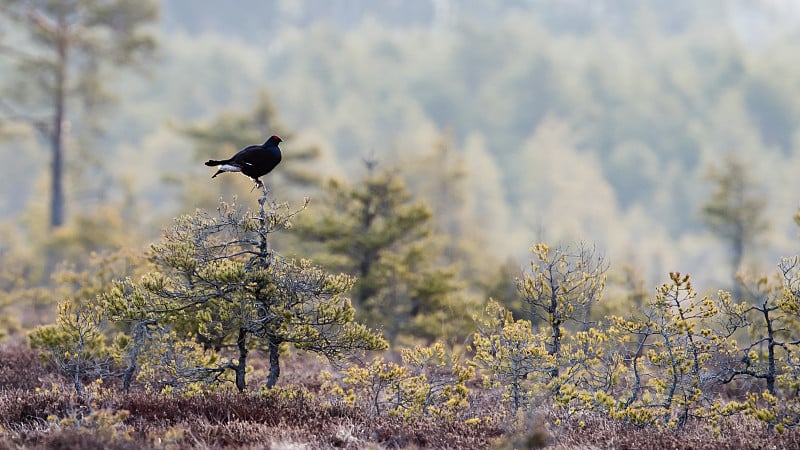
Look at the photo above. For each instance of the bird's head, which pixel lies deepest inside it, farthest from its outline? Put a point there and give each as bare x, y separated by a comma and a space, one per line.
273, 140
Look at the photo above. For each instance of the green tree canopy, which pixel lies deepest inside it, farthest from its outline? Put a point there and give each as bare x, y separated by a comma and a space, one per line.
216, 280
375, 231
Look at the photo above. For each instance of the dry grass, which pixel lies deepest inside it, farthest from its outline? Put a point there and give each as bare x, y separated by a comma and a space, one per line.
741, 433
292, 418
21, 368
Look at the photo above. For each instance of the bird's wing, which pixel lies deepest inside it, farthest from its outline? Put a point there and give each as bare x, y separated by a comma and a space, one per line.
246, 150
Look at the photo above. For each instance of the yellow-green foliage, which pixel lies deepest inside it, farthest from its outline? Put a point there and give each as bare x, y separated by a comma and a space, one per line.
591, 370
430, 382
763, 339
217, 283
76, 331
660, 366
572, 277
170, 364
762, 406
583, 375
83, 284
83, 342
77, 343
561, 287
675, 342
376, 383
514, 355
438, 383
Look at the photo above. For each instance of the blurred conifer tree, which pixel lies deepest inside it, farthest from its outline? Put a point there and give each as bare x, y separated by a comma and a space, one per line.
374, 230
735, 213
63, 65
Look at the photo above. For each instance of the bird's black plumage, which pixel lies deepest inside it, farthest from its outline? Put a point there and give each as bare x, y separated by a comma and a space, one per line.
254, 161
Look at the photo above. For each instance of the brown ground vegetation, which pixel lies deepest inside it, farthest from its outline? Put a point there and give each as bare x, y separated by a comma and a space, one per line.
38, 410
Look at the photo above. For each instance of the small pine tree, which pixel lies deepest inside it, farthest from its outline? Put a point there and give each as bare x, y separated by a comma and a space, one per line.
516, 357
77, 345
671, 366
561, 287
766, 355
217, 281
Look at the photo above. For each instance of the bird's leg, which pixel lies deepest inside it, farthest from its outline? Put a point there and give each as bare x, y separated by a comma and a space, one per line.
258, 184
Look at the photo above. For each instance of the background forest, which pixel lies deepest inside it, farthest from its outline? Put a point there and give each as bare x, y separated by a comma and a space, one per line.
637, 138
563, 121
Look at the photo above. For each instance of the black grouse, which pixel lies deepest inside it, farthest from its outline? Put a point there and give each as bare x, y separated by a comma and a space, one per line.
254, 161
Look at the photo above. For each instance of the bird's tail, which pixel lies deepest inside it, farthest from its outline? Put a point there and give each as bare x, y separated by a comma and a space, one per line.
214, 162
225, 166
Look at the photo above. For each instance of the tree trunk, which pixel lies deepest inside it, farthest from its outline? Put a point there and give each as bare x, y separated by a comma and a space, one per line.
274, 363
265, 259
139, 336
771, 368
555, 327
57, 132
241, 367
263, 246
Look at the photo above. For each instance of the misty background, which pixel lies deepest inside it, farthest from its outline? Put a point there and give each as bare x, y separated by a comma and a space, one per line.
592, 121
